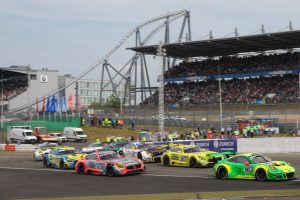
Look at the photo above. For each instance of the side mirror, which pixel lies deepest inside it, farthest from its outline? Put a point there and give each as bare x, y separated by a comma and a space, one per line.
246, 163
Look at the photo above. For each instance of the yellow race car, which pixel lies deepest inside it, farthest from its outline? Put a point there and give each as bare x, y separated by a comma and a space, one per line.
191, 156
62, 157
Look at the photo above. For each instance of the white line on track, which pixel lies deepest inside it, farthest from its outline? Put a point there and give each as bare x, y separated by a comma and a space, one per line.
71, 171
34, 169
177, 176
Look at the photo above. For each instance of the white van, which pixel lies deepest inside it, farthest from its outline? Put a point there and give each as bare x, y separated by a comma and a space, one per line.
21, 135
75, 134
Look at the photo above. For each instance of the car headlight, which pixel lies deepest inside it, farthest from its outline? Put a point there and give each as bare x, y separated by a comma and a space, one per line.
70, 159
119, 165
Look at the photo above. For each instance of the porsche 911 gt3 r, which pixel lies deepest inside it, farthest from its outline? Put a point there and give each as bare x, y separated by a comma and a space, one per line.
108, 163
191, 156
253, 166
62, 157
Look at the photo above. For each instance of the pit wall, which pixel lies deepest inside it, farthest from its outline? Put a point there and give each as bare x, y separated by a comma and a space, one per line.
269, 145
257, 145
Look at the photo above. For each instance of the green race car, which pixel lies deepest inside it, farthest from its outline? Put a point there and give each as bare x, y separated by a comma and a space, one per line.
191, 156
253, 166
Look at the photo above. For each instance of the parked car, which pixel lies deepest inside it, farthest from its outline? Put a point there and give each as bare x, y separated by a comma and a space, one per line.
59, 137
75, 134
21, 135
254, 166
109, 163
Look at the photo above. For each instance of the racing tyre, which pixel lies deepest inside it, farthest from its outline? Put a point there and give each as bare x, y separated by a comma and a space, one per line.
222, 173
193, 162
80, 169
261, 175
61, 164
45, 162
139, 155
166, 161
110, 171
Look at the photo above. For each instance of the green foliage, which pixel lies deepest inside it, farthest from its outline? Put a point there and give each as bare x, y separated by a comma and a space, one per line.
112, 102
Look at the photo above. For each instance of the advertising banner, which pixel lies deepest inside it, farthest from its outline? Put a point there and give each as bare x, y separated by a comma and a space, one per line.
218, 145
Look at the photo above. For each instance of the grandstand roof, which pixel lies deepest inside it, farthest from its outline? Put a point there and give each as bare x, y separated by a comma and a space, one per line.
228, 46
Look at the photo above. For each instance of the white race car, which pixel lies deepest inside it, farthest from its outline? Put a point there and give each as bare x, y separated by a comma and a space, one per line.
43, 148
94, 147
146, 152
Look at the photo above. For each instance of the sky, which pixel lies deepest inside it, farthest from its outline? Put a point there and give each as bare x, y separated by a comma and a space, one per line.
71, 35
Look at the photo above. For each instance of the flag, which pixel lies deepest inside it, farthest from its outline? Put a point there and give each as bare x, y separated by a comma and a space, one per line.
48, 105
53, 104
58, 104
63, 104
79, 103
70, 102
37, 105
43, 105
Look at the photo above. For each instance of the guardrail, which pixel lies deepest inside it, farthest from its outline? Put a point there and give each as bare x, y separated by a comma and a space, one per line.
269, 145
17, 147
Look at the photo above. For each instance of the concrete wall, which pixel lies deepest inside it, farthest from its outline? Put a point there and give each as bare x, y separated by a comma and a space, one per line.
269, 145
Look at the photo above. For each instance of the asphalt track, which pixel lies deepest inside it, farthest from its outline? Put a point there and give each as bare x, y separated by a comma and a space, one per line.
23, 178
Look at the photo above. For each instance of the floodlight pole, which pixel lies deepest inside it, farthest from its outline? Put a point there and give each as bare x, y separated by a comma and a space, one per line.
2, 104
161, 103
220, 98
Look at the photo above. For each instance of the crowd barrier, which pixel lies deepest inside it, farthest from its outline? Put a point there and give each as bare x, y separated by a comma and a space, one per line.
269, 145
241, 145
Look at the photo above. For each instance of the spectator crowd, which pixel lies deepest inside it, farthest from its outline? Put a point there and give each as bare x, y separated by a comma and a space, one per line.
264, 89
13, 87
233, 65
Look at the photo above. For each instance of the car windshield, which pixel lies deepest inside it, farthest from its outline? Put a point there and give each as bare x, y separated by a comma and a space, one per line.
191, 150
64, 152
110, 156
80, 132
260, 159
28, 133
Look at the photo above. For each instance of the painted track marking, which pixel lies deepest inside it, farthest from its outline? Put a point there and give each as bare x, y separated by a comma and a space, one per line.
142, 174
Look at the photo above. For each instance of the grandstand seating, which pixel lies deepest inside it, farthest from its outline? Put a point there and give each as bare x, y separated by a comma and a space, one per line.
13, 86
254, 88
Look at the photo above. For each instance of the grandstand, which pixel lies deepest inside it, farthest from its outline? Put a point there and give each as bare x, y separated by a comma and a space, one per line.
256, 69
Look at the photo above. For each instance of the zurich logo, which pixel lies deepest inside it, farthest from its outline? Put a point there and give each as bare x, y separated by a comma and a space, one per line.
216, 144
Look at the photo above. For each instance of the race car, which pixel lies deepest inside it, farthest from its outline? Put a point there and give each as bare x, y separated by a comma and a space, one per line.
191, 156
108, 163
62, 157
253, 166
117, 146
115, 139
146, 152
98, 146
43, 148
